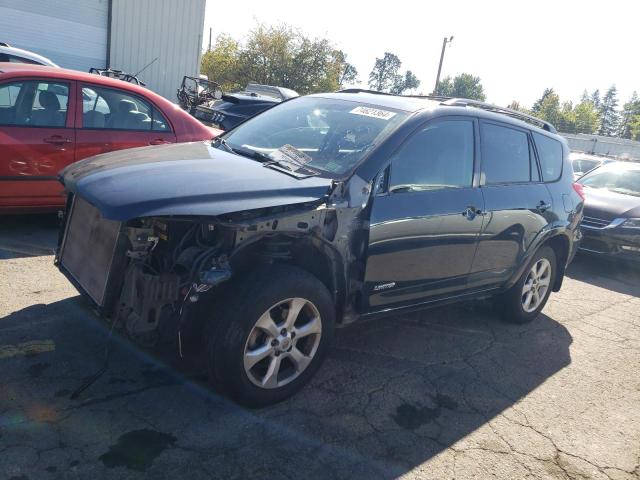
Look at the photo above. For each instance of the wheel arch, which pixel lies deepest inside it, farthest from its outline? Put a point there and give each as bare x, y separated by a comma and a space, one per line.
308, 252
560, 243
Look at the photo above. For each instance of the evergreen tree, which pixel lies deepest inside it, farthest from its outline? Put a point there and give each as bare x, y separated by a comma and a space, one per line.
537, 106
595, 98
630, 116
609, 116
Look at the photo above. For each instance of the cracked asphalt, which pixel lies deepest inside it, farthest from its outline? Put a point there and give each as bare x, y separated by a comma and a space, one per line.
446, 393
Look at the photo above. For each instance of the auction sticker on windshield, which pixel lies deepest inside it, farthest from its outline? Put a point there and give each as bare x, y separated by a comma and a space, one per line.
373, 112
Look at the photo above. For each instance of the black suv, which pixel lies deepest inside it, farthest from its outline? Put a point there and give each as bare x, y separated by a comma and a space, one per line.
248, 250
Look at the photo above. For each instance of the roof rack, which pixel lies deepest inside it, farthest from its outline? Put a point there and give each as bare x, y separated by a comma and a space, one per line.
465, 102
378, 92
364, 90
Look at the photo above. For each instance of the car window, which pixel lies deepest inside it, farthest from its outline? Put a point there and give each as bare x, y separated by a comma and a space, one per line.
9, 94
505, 154
34, 104
550, 156
583, 165
113, 109
438, 156
16, 59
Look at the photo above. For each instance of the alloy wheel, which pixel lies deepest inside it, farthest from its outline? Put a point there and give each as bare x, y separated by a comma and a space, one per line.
282, 343
536, 285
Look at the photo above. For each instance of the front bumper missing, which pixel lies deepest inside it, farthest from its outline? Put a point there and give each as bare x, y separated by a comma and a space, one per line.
88, 252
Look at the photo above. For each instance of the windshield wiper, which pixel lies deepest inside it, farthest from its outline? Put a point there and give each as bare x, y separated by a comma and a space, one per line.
221, 141
245, 152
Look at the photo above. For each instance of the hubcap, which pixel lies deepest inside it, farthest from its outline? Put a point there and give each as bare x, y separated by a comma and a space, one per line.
282, 343
536, 285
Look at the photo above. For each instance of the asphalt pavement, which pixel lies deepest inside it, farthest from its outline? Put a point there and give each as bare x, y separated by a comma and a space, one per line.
447, 393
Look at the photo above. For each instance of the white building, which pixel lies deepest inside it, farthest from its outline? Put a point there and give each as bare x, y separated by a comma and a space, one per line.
165, 36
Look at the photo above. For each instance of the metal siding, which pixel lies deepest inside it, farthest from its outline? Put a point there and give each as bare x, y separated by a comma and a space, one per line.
72, 34
168, 29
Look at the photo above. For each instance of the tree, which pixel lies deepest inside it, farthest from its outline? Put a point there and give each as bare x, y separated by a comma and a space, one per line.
222, 63
630, 114
349, 73
408, 82
586, 116
464, 85
609, 117
634, 128
538, 103
278, 55
566, 118
595, 98
385, 76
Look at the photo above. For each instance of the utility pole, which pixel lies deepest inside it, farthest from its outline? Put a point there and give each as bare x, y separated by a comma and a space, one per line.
210, 29
444, 45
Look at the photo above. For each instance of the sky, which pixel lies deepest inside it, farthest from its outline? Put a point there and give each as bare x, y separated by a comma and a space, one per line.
517, 48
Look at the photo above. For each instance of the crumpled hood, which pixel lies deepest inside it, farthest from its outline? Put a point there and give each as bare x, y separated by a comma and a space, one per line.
184, 179
605, 204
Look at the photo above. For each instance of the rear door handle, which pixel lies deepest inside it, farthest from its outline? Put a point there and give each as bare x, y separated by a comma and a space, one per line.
56, 140
159, 141
543, 207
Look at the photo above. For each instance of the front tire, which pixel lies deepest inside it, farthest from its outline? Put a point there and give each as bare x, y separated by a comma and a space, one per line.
525, 300
271, 335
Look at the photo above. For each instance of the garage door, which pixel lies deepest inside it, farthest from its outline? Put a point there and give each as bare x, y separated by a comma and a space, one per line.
71, 33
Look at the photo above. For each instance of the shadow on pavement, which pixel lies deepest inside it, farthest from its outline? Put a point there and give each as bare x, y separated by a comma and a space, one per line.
28, 235
394, 393
621, 277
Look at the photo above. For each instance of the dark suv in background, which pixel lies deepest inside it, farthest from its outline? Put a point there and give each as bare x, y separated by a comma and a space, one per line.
324, 209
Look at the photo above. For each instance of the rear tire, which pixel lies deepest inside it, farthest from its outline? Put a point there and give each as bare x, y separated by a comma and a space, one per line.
271, 335
525, 300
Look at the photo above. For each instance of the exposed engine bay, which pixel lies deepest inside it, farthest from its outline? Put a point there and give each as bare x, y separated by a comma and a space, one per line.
150, 276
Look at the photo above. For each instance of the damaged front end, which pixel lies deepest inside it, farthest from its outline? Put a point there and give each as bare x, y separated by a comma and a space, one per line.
152, 276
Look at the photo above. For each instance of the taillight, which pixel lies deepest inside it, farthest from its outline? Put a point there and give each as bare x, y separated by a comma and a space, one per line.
579, 189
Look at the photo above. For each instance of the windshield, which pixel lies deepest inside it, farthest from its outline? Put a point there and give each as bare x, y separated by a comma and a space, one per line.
617, 178
329, 136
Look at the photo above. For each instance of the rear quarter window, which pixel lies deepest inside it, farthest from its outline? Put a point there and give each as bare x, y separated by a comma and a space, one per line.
550, 155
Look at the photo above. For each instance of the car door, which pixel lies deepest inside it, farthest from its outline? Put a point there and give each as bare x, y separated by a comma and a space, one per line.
37, 140
426, 218
113, 119
518, 205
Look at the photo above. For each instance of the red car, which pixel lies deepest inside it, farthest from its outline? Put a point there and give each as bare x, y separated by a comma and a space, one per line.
51, 117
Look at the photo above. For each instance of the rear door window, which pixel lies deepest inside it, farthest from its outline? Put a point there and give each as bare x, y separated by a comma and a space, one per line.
550, 156
506, 155
113, 109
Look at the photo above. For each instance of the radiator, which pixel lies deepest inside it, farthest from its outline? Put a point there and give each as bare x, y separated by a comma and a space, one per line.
88, 248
